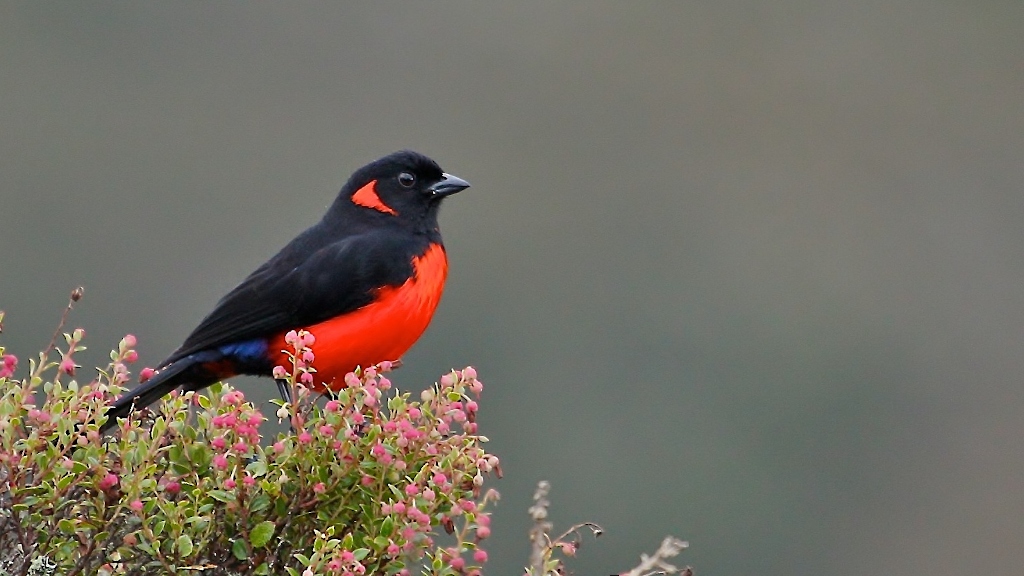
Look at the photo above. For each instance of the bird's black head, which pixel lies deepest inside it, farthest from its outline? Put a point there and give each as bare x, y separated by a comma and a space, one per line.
404, 187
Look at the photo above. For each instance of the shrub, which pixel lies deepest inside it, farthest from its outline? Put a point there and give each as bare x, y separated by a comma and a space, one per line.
362, 484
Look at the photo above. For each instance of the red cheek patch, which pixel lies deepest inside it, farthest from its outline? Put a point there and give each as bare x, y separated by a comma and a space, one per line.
367, 197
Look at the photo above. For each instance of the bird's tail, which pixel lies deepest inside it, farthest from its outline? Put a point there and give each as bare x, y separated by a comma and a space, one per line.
162, 383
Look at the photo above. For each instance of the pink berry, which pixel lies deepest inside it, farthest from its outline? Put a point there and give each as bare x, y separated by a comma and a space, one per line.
67, 366
108, 481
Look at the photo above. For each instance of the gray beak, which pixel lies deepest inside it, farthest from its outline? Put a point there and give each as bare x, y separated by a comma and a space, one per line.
447, 186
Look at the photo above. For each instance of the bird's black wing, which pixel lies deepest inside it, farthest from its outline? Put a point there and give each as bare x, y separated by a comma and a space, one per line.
294, 290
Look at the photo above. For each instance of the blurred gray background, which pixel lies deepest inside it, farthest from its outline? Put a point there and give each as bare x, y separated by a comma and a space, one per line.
747, 273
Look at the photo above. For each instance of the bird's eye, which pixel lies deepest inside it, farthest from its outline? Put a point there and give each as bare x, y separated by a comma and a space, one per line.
406, 179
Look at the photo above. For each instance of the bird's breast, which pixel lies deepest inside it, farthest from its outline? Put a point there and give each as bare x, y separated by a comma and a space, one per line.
383, 329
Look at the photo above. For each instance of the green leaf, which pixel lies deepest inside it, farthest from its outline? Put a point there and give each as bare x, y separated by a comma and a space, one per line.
64, 482
262, 569
360, 553
184, 545
204, 402
159, 427
180, 464
387, 527
261, 534
222, 496
259, 503
239, 549
158, 528
200, 456
257, 468
66, 526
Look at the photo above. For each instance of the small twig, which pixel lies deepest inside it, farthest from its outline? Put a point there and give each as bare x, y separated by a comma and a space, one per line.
594, 529
657, 564
539, 541
76, 295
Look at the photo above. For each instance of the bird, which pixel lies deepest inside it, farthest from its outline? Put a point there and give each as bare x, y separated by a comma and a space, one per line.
364, 281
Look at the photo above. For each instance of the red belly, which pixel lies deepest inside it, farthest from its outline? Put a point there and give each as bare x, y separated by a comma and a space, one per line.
382, 330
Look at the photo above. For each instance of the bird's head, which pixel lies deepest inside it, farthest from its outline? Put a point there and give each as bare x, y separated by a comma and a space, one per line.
406, 186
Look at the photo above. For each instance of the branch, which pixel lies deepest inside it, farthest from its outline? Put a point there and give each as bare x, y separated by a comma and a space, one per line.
543, 549
657, 564
540, 545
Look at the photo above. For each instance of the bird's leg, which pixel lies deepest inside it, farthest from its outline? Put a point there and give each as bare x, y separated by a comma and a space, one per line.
286, 393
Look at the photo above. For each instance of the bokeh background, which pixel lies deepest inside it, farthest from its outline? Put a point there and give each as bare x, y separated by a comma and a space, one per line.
747, 273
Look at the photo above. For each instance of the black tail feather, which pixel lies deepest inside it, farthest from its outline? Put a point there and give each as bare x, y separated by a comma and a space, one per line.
162, 383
